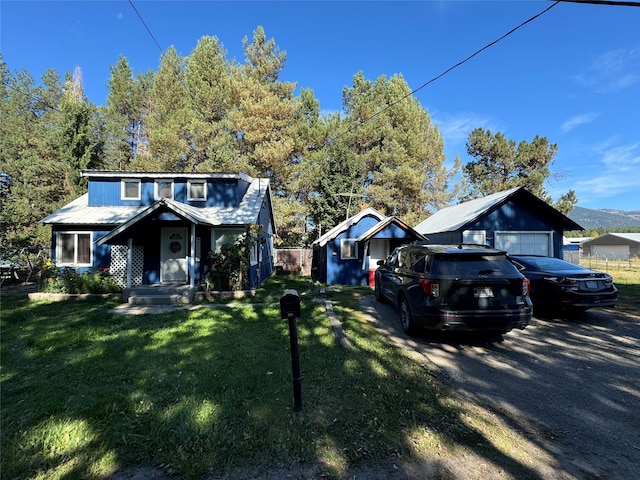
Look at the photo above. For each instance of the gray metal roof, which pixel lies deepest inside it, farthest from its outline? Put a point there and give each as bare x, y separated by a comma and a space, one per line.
452, 218
632, 237
78, 212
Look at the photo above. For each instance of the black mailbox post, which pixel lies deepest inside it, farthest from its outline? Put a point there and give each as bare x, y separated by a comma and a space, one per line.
290, 309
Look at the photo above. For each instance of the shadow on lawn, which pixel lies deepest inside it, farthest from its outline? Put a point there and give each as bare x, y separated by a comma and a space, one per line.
85, 392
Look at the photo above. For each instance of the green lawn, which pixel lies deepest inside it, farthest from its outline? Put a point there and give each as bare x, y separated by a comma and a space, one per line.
85, 392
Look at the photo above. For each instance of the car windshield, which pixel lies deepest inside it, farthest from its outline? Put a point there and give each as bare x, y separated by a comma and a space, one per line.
551, 264
472, 265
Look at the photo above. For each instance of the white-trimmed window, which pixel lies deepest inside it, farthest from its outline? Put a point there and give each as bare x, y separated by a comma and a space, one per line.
74, 248
196, 190
348, 248
479, 237
163, 189
130, 189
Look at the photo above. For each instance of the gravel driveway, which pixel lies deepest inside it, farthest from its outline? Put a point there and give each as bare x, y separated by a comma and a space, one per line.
570, 386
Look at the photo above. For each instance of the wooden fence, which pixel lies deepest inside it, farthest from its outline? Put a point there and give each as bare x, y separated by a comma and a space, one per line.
293, 260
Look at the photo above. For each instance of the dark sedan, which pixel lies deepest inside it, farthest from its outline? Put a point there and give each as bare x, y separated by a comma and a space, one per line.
560, 285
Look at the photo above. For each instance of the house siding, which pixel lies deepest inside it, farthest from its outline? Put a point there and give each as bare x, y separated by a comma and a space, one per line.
105, 192
508, 217
348, 271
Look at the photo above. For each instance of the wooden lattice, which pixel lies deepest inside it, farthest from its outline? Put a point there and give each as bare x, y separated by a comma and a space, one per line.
118, 267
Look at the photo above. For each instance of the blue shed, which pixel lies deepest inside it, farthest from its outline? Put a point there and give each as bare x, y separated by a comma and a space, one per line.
513, 220
346, 253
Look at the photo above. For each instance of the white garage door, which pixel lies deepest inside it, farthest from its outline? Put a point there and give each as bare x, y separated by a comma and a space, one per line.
533, 243
610, 252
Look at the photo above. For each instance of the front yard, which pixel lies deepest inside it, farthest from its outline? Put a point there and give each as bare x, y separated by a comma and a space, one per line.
85, 393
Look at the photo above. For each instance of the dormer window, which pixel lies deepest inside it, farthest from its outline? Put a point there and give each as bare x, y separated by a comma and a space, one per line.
163, 189
197, 190
130, 189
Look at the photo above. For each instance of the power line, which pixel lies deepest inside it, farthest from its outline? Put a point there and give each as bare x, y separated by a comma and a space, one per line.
145, 25
461, 62
615, 3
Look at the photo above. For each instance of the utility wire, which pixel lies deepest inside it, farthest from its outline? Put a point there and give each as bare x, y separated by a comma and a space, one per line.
616, 3
145, 25
459, 63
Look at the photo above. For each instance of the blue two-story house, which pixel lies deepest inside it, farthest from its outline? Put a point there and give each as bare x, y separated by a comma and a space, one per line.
158, 227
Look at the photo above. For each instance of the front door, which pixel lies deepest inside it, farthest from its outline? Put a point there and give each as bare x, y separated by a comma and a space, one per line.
173, 260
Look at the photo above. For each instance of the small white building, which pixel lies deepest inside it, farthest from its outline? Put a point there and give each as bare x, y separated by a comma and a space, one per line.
613, 246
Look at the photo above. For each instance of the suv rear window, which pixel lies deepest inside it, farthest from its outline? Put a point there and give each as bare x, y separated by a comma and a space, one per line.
472, 265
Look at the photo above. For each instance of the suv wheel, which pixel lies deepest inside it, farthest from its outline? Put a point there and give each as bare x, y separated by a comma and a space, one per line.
408, 325
377, 291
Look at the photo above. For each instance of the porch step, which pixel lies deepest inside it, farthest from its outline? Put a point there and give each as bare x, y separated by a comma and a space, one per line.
173, 299
159, 295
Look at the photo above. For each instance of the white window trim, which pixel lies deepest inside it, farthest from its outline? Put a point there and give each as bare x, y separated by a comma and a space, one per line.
59, 249
194, 199
156, 193
351, 241
467, 233
123, 189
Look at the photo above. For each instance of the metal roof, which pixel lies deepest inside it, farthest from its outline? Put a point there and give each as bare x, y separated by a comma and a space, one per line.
78, 212
632, 237
454, 218
161, 174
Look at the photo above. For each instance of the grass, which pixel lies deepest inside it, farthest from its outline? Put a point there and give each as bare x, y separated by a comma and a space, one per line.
85, 392
626, 276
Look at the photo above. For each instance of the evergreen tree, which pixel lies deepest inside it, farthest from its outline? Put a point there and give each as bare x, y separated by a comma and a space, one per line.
170, 140
263, 121
46, 136
122, 117
402, 152
501, 165
208, 80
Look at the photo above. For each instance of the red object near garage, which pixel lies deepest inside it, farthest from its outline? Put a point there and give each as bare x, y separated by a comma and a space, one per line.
372, 277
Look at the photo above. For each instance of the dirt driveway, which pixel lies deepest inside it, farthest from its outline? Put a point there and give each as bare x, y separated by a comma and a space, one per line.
570, 386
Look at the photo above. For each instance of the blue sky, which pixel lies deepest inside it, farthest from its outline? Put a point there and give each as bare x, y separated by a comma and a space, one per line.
571, 75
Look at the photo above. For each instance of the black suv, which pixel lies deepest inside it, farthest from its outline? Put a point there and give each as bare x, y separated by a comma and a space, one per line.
454, 287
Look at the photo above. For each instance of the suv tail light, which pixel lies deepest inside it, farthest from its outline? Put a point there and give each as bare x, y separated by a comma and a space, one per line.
431, 288
526, 286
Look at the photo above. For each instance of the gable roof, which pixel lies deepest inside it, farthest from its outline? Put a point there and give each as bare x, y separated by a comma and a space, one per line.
341, 227
458, 216
380, 226
78, 212
632, 237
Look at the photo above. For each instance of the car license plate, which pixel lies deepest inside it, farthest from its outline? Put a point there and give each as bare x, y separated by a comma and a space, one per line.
483, 292
591, 284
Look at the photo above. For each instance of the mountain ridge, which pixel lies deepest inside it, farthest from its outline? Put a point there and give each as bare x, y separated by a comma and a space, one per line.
605, 217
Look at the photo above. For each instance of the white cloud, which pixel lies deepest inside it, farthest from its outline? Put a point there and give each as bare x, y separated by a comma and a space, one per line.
456, 128
578, 120
612, 71
616, 174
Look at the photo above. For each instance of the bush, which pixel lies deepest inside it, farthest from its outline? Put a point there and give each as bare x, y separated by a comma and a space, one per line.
67, 280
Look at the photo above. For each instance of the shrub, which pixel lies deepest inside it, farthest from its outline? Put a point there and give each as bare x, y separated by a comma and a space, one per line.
54, 279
